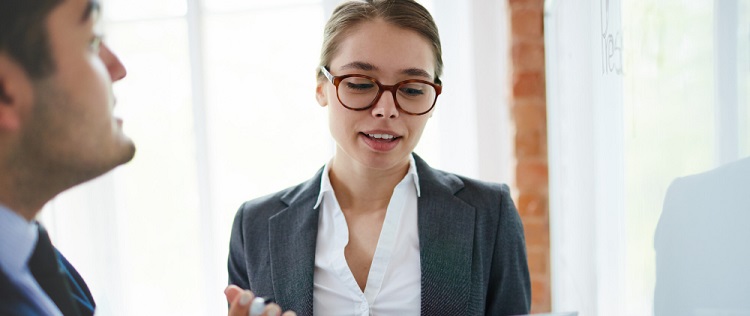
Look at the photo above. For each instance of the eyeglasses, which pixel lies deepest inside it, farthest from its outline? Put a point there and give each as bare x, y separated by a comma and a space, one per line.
360, 92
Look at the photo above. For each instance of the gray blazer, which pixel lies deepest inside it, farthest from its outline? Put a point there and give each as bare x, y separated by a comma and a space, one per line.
472, 247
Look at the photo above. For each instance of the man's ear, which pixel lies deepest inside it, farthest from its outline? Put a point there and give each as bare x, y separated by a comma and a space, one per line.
320, 93
16, 92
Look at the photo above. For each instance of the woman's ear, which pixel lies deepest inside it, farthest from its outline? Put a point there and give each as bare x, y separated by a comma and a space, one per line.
321, 93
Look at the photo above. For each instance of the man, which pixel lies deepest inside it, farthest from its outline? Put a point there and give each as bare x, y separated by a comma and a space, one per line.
56, 131
700, 243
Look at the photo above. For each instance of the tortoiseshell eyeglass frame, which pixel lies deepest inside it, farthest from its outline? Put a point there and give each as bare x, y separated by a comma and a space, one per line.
336, 80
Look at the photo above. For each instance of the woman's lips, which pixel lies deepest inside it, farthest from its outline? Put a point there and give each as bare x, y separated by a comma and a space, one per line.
380, 141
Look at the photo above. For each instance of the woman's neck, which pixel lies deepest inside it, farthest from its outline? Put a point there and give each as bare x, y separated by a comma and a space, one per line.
359, 188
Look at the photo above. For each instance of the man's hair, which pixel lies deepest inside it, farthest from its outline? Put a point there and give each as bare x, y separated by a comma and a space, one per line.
23, 34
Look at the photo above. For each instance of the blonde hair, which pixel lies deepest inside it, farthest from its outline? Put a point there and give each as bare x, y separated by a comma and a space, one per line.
406, 14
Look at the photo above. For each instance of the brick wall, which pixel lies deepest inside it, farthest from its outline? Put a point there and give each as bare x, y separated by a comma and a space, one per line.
529, 113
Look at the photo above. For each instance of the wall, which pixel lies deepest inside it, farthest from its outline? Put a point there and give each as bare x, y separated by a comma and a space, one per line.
528, 108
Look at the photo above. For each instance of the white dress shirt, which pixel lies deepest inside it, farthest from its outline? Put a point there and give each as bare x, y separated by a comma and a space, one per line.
18, 239
393, 284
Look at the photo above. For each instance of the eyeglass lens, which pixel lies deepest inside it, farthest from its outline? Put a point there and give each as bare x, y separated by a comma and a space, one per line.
359, 92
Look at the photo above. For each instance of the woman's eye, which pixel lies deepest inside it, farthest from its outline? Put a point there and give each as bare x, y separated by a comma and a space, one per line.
412, 92
359, 86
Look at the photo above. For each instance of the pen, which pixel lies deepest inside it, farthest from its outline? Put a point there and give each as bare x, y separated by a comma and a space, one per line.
256, 308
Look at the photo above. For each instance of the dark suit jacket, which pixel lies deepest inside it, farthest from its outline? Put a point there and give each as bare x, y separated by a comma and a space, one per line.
15, 303
472, 247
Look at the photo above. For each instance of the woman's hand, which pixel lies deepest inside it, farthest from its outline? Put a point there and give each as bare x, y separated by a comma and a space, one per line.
240, 300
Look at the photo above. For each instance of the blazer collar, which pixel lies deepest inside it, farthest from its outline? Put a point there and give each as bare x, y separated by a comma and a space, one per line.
446, 233
293, 233
446, 242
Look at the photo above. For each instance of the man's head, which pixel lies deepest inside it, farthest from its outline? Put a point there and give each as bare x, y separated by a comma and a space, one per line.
56, 124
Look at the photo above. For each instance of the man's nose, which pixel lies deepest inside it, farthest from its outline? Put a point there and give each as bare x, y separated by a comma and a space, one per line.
114, 66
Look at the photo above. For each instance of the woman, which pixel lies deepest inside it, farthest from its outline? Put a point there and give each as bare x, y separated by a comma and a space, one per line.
377, 231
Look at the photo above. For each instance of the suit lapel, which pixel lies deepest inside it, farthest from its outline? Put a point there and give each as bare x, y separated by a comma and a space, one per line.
13, 301
446, 240
45, 265
79, 290
293, 234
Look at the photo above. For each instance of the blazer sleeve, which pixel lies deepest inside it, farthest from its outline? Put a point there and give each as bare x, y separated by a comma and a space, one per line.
236, 264
510, 285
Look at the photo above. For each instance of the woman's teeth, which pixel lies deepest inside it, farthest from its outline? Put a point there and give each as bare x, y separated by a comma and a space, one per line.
381, 136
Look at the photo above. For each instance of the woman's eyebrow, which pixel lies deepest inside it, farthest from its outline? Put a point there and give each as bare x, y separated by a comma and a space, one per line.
416, 72
359, 65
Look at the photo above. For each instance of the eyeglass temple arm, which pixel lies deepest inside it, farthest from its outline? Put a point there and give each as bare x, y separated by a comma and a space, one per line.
326, 73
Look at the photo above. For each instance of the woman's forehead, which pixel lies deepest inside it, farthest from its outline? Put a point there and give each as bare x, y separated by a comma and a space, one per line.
384, 46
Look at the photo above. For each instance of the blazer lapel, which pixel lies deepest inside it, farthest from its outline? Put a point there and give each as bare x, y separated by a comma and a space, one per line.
446, 240
293, 234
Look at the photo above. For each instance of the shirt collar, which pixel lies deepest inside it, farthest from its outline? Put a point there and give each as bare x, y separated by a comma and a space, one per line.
325, 181
325, 184
18, 238
413, 172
